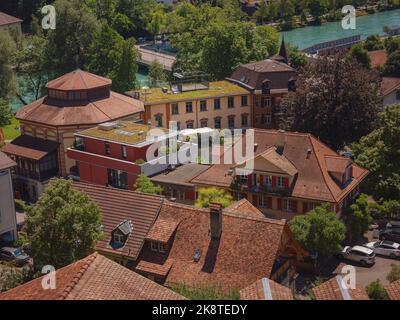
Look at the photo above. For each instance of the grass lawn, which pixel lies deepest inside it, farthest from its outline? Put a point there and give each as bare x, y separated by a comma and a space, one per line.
12, 130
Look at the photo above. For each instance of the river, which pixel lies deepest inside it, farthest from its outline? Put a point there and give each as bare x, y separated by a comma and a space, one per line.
365, 26
308, 36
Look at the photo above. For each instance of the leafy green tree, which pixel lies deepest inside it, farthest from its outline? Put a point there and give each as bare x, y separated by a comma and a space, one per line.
67, 44
63, 226
392, 44
376, 291
6, 113
373, 42
318, 7
7, 78
360, 54
207, 195
145, 185
156, 23
394, 274
359, 217
390, 208
335, 99
156, 75
263, 13
319, 231
379, 153
392, 65
138, 11
122, 24
297, 58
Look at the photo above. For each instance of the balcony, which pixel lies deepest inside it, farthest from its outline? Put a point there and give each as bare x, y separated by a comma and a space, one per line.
279, 191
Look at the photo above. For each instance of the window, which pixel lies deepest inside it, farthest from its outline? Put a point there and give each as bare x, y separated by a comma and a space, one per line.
119, 238
217, 123
203, 105
312, 206
268, 181
262, 201
178, 126
217, 104
267, 119
231, 122
158, 119
189, 124
106, 148
287, 205
175, 109
123, 152
158, 246
244, 101
189, 107
267, 102
117, 178
203, 123
256, 101
243, 179
280, 182
231, 102
245, 121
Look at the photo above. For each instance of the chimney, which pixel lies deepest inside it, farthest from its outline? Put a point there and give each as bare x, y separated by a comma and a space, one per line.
215, 220
280, 141
309, 151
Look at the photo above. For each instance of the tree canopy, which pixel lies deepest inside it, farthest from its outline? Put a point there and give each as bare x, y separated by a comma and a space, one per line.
378, 152
336, 100
319, 231
63, 226
145, 185
359, 217
207, 195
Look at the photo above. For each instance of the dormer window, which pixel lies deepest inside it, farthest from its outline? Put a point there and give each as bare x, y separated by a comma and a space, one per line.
158, 246
120, 234
118, 238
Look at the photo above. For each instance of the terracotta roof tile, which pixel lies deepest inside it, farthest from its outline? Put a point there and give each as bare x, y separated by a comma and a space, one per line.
244, 206
162, 230
6, 19
246, 251
378, 58
30, 147
118, 205
393, 290
93, 278
389, 84
6, 162
155, 268
266, 289
78, 80
313, 179
330, 290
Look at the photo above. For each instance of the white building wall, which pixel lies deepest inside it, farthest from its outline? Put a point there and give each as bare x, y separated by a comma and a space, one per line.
8, 220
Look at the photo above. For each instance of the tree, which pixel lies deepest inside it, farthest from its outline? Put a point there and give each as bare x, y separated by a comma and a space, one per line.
317, 7
376, 291
297, 58
7, 79
373, 42
6, 114
379, 153
336, 100
359, 217
319, 231
67, 44
207, 195
360, 54
156, 23
63, 226
394, 274
145, 185
156, 75
392, 65
392, 44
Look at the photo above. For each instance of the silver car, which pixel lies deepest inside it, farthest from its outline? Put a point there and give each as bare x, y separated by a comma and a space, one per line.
385, 248
360, 254
16, 255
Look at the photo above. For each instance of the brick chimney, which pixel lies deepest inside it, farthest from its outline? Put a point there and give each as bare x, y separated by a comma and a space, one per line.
215, 220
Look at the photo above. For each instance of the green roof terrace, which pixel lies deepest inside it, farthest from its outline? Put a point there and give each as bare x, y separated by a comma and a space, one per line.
152, 96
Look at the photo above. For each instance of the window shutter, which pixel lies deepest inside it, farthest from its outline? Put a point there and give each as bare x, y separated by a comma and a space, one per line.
286, 182
305, 207
269, 203
294, 206
279, 204
261, 180
273, 181
250, 180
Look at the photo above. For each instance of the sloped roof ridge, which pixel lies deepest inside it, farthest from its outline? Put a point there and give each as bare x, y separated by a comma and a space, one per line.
78, 276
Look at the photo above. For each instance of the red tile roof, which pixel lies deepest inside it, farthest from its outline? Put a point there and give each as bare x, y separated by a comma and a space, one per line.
162, 230
266, 289
378, 58
313, 180
93, 278
330, 290
393, 290
246, 251
6, 19
30, 147
244, 206
155, 268
118, 205
78, 80
6, 162
389, 84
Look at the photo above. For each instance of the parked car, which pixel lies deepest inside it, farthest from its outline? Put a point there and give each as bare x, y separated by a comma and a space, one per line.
360, 254
385, 248
395, 223
392, 234
14, 254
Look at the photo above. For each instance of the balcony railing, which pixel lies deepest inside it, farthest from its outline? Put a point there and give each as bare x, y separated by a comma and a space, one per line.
281, 191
